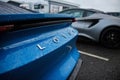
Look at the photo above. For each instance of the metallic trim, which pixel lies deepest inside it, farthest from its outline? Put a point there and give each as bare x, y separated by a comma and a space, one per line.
41, 48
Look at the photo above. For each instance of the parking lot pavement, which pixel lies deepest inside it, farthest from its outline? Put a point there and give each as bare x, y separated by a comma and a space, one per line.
99, 63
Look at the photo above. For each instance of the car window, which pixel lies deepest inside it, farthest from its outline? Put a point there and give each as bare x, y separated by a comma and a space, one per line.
67, 12
88, 13
118, 14
77, 13
74, 13
115, 14
70, 12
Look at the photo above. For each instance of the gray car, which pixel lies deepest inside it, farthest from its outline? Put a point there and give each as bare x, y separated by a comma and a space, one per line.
100, 28
117, 14
80, 12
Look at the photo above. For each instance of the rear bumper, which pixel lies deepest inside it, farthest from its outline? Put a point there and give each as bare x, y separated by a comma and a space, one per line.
28, 62
75, 70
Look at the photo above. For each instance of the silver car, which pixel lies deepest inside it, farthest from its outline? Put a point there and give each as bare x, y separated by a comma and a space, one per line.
100, 28
80, 12
117, 14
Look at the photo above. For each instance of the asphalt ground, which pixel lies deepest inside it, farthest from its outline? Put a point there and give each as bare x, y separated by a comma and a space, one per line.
99, 63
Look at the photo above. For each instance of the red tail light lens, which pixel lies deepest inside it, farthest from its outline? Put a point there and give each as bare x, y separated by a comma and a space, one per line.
6, 28
74, 20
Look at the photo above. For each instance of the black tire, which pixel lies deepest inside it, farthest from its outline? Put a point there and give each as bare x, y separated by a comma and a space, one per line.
111, 37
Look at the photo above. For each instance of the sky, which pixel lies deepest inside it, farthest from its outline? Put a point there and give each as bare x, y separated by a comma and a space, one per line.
103, 5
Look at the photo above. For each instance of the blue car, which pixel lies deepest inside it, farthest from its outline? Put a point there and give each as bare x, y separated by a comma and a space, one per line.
37, 46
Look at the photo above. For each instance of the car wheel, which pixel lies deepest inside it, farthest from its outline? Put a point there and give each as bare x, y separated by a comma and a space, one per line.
111, 37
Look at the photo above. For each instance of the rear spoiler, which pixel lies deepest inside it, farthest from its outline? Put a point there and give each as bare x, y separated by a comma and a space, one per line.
20, 21
87, 19
14, 18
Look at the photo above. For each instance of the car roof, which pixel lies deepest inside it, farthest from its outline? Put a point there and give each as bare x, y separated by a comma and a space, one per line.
6, 8
96, 10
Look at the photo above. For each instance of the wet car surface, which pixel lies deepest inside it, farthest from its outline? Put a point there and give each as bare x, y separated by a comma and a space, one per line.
36, 46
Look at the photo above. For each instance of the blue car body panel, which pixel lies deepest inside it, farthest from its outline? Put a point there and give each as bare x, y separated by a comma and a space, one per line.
41, 53
30, 16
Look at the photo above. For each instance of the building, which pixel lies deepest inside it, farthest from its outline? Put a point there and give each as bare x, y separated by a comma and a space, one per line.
35, 5
44, 6
59, 5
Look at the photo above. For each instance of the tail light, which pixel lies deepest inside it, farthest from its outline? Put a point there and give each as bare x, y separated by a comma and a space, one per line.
74, 20
5, 28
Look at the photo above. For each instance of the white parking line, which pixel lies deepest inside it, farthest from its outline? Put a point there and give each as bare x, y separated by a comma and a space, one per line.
92, 55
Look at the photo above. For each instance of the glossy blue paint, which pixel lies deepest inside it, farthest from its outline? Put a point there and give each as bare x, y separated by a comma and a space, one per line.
22, 59
18, 17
